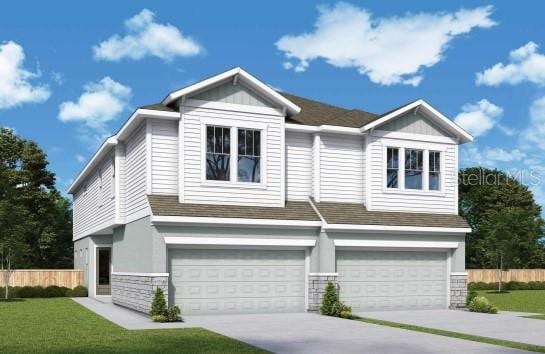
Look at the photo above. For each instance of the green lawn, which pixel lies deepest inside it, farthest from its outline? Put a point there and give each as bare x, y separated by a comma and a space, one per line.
62, 326
518, 300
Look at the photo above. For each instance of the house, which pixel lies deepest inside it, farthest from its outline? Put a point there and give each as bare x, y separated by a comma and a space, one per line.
236, 198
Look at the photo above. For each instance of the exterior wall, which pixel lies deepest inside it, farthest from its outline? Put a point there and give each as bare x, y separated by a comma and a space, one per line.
458, 290
87, 261
299, 165
136, 291
444, 201
230, 93
198, 190
342, 168
317, 283
415, 124
81, 258
136, 204
94, 202
164, 157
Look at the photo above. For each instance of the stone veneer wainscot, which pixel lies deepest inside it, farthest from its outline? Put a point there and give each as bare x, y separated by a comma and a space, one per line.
136, 291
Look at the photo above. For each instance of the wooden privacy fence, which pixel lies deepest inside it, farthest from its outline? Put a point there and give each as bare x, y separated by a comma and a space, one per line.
69, 278
492, 276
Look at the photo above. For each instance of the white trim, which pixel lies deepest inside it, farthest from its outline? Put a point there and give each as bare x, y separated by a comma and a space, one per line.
368, 175
220, 241
181, 156
323, 128
325, 274
394, 244
316, 166
157, 219
283, 161
242, 75
387, 134
307, 272
459, 273
97, 230
233, 107
149, 143
449, 266
401, 229
117, 182
142, 274
436, 115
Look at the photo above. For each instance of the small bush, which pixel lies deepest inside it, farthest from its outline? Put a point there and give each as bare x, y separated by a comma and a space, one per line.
330, 300
174, 314
158, 318
159, 304
78, 291
13, 292
482, 304
471, 295
512, 285
55, 291
347, 313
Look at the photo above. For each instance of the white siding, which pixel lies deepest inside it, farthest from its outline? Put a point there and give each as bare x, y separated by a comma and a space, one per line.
94, 203
229, 93
164, 157
136, 204
414, 123
413, 201
122, 180
299, 165
342, 168
195, 191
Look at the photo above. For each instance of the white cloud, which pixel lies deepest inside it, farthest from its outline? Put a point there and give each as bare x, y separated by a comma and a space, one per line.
80, 158
480, 117
16, 87
100, 103
389, 50
490, 156
147, 38
534, 134
525, 64
497, 154
57, 77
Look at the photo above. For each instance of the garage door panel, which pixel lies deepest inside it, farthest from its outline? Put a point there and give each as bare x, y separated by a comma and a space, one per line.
237, 281
392, 280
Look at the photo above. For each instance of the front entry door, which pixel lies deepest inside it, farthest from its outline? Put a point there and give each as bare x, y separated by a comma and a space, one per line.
103, 271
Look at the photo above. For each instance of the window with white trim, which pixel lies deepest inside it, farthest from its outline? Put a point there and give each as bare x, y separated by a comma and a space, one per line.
414, 168
218, 153
392, 167
249, 155
434, 181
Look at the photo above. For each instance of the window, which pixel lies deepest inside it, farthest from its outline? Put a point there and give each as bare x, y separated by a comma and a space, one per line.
392, 167
218, 153
414, 168
249, 155
435, 170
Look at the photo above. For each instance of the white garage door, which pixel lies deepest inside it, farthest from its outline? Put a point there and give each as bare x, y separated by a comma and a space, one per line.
237, 281
391, 280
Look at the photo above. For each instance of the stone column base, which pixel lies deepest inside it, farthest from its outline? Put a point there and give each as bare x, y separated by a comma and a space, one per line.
136, 290
317, 283
458, 290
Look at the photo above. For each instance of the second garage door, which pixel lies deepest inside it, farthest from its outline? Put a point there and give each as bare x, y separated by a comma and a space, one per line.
237, 281
392, 280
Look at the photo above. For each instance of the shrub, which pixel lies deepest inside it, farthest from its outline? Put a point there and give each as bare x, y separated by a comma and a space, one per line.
174, 314
330, 300
55, 291
346, 313
159, 304
78, 291
482, 304
158, 318
471, 295
512, 285
12, 294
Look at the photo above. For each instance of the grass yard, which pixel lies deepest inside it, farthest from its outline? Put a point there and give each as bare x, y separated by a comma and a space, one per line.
518, 300
60, 325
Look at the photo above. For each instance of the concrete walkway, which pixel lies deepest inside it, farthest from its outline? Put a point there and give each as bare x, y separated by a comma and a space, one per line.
302, 332
505, 325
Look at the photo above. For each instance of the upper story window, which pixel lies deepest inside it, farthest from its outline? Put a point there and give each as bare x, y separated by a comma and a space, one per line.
434, 170
218, 153
392, 167
414, 168
249, 155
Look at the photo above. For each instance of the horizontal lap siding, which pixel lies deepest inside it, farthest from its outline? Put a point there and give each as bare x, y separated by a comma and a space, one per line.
96, 207
135, 199
342, 167
196, 192
445, 203
164, 157
299, 165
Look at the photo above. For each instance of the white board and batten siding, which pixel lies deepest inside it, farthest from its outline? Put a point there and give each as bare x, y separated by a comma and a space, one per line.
299, 177
164, 157
198, 190
342, 166
136, 204
444, 201
94, 202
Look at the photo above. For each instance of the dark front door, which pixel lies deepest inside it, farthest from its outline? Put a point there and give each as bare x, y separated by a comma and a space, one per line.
103, 271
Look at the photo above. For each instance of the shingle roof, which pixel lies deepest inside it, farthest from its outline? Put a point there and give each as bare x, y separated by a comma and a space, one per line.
170, 206
357, 214
317, 113
158, 107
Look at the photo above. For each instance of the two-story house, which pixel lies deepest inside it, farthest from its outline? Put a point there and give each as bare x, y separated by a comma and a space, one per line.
236, 198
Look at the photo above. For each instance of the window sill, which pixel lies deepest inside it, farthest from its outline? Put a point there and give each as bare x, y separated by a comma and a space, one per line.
413, 192
234, 185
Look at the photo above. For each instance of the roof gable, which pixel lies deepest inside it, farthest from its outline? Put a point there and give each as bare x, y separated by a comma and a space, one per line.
233, 92
414, 122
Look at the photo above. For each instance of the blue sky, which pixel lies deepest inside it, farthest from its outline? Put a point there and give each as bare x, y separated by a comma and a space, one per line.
72, 73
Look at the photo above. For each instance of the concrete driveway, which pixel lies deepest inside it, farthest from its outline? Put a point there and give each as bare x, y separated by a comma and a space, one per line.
505, 325
302, 332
